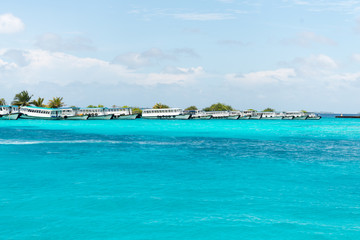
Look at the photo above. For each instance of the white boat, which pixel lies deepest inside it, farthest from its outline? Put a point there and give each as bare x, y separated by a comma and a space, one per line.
271, 116
313, 116
234, 115
165, 113
72, 113
9, 112
198, 114
30, 112
218, 114
297, 115
98, 113
256, 117
286, 117
121, 113
250, 114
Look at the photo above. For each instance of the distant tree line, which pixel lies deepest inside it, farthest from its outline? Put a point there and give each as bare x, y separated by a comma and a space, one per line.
25, 99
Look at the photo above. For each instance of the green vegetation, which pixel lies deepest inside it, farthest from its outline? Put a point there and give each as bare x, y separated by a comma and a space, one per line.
56, 102
219, 107
136, 110
22, 99
94, 106
2, 102
38, 103
191, 108
304, 111
269, 110
252, 110
160, 105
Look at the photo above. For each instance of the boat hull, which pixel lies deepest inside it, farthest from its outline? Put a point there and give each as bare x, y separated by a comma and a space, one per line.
233, 117
80, 117
272, 118
125, 117
300, 118
201, 117
101, 117
24, 116
11, 116
175, 117
314, 118
288, 118
244, 118
255, 117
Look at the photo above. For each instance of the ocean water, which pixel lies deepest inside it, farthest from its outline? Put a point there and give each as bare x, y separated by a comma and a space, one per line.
161, 179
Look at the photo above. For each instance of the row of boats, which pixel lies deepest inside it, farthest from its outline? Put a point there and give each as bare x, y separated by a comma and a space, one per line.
103, 113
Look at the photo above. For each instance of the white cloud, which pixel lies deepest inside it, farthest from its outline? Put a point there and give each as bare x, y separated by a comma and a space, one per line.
315, 71
54, 42
317, 80
152, 57
6, 65
307, 39
356, 57
62, 69
262, 77
10, 24
315, 65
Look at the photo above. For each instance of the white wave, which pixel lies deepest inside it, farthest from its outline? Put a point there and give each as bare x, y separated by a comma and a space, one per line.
16, 142
25, 142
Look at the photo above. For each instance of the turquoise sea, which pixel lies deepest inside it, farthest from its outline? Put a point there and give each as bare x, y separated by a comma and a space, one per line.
161, 179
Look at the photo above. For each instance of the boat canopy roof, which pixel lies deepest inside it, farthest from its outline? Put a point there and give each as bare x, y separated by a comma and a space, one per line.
41, 108
162, 109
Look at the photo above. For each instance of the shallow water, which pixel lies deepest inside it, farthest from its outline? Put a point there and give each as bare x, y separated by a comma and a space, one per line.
160, 179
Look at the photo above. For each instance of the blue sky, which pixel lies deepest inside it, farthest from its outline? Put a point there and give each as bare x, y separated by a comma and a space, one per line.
285, 54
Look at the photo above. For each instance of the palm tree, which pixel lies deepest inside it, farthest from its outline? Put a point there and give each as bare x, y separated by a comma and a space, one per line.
2, 102
39, 102
56, 102
22, 99
160, 105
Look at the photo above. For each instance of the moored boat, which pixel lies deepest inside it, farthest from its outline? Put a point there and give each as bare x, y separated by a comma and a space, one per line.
313, 116
71, 113
256, 117
218, 114
9, 112
198, 114
165, 113
249, 114
98, 113
244, 118
297, 115
30, 112
121, 113
271, 116
234, 115
125, 117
